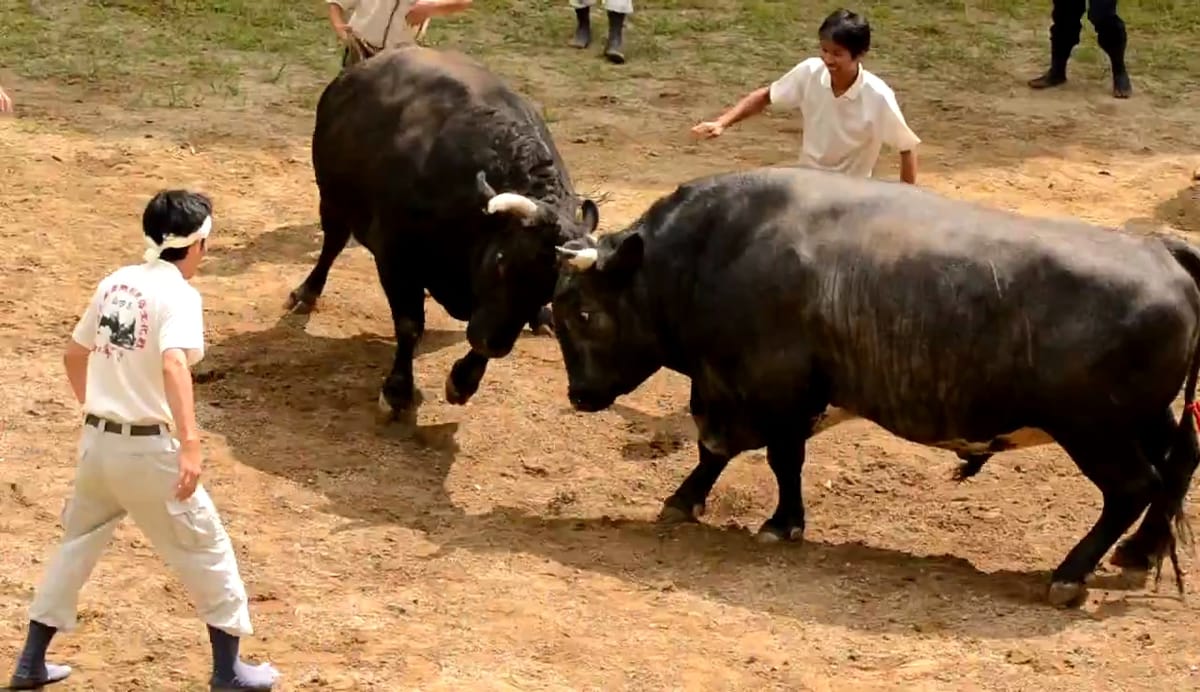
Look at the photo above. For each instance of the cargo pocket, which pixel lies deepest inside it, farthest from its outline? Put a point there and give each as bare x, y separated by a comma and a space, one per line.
194, 525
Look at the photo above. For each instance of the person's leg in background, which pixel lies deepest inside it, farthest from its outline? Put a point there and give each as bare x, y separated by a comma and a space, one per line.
617, 11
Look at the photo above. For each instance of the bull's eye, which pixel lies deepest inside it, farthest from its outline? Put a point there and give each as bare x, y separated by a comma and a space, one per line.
585, 315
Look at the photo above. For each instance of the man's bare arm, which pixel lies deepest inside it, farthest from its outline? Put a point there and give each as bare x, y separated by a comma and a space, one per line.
177, 378
75, 360
908, 166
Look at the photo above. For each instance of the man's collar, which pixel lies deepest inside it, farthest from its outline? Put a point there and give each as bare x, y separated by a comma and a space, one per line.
855, 88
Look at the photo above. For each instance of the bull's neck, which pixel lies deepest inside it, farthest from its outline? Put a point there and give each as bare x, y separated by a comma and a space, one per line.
664, 290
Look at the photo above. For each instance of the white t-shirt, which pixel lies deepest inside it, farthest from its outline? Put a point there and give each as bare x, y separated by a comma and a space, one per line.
368, 19
844, 133
135, 314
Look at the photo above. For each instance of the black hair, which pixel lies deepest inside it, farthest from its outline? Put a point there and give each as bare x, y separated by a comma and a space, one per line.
847, 29
177, 213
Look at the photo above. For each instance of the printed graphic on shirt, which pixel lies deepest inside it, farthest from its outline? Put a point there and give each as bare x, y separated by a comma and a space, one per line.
124, 322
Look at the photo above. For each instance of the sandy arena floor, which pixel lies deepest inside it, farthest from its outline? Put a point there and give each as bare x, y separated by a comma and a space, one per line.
512, 546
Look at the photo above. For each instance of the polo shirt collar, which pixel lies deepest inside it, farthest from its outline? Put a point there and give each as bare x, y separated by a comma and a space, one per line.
855, 88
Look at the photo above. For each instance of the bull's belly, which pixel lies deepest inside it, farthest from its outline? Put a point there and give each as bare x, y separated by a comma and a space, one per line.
1016, 439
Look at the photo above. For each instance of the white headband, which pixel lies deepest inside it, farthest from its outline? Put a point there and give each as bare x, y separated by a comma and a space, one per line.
154, 249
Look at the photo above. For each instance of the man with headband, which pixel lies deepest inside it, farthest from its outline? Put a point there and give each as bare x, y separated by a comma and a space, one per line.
128, 363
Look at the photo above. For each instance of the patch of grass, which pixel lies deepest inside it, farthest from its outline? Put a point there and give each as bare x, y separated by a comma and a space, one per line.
182, 51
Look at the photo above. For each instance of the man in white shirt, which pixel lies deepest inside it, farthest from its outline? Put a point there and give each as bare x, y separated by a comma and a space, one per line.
369, 26
128, 363
848, 112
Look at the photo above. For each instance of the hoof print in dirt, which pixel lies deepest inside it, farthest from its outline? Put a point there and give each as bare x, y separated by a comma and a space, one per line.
1066, 594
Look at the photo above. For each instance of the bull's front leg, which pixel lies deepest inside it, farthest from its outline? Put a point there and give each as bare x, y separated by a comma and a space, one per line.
786, 459
399, 397
688, 501
464, 378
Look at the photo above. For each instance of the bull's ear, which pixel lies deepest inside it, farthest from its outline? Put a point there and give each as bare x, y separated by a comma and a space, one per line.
481, 184
625, 258
589, 216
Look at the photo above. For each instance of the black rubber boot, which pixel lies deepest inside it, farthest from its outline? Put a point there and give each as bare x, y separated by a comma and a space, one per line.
1112, 42
1056, 75
612, 49
1122, 87
32, 670
583, 28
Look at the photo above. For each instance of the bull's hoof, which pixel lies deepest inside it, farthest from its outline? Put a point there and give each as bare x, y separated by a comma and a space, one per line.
463, 380
771, 533
300, 302
1064, 594
454, 396
393, 409
677, 511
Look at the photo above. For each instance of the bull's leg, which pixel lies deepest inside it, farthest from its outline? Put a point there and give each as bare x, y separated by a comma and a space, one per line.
1127, 482
464, 378
972, 464
786, 459
399, 396
688, 501
336, 232
543, 321
1153, 538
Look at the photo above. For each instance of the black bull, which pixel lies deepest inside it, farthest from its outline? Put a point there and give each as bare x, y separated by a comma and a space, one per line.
406, 148
795, 299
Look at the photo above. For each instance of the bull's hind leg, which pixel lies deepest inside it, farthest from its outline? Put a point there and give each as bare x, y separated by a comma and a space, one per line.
1154, 539
336, 231
1127, 482
399, 396
786, 458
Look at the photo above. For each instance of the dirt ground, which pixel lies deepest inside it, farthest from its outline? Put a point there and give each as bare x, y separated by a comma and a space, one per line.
512, 543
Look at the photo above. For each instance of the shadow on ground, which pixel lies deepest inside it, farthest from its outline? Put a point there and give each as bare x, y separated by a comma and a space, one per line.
311, 427
293, 244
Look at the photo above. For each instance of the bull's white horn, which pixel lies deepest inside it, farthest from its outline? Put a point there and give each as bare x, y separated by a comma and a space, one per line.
512, 203
580, 259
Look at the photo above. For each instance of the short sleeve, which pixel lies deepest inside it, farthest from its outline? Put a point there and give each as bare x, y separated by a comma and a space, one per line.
787, 92
344, 4
893, 130
85, 330
183, 324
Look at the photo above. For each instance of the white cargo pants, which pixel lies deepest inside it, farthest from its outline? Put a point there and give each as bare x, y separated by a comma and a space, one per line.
121, 474
621, 6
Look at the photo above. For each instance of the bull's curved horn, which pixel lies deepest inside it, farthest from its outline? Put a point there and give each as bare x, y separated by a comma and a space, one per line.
512, 203
580, 259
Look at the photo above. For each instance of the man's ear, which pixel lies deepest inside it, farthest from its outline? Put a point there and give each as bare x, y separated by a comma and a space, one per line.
625, 258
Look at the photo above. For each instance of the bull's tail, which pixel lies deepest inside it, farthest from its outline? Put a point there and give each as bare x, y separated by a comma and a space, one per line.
1184, 455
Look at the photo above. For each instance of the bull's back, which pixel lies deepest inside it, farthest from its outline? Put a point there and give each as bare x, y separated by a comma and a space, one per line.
929, 314
405, 123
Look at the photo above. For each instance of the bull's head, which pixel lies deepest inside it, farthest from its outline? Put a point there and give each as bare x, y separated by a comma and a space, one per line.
601, 320
515, 271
